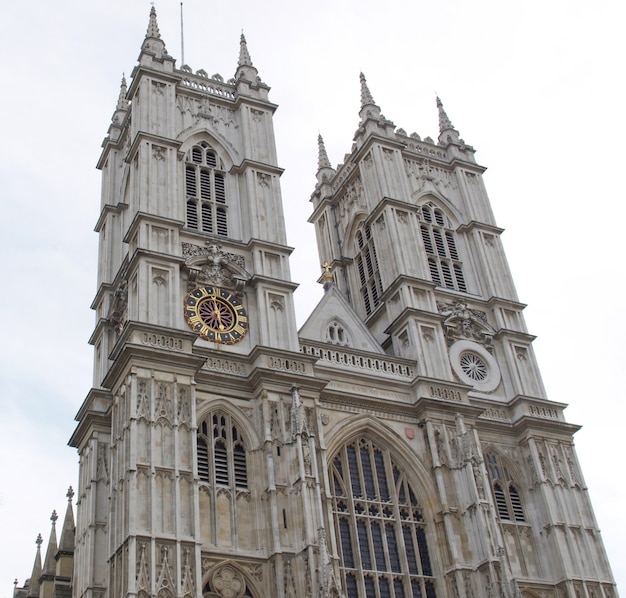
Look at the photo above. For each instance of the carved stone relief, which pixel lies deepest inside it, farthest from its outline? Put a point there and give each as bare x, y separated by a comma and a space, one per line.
164, 407
184, 405
143, 399
226, 581
165, 586
220, 268
462, 322
143, 585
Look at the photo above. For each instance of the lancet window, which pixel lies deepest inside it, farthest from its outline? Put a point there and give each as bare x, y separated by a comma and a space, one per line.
221, 452
381, 532
505, 493
205, 191
446, 269
368, 271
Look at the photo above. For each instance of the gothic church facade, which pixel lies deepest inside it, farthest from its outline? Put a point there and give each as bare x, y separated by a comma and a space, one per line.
400, 444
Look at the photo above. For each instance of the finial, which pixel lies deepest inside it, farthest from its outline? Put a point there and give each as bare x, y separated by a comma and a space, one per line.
322, 156
366, 96
153, 27
244, 55
54, 518
327, 278
122, 102
15, 582
39, 540
444, 121
70, 494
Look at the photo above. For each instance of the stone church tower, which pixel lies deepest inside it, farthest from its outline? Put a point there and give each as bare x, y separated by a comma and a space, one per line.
399, 445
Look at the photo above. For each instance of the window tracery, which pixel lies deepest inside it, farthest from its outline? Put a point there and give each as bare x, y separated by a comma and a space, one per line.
337, 334
381, 532
367, 265
221, 452
444, 265
505, 493
205, 191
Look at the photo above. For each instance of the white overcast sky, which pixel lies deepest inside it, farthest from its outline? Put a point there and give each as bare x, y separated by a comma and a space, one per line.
537, 87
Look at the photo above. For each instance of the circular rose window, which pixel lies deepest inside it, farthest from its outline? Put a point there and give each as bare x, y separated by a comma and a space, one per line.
474, 365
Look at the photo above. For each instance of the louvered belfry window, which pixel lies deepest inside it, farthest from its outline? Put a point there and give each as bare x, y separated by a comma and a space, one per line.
505, 494
367, 266
381, 532
205, 191
444, 265
221, 452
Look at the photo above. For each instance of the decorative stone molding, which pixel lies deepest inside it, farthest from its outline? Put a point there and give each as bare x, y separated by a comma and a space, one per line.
228, 366
228, 582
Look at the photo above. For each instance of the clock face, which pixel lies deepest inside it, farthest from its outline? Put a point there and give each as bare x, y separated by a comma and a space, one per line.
216, 315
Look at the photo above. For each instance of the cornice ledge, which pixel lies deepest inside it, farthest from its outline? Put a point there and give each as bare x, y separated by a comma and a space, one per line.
263, 166
475, 224
139, 216
160, 345
143, 135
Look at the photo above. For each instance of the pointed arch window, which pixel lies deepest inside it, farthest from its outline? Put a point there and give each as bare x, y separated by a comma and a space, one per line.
505, 493
205, 191
221, 452
337, 334
444, 265
380, 527
367, 267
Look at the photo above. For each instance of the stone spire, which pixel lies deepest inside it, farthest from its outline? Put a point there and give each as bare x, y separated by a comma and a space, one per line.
122, 102
447, 133
66, 543
325, 172
372, 120
444, 121
48, 574
244, 55
33, 590
322, 156
246, 71
153, 47
121, 110
366, 96
153, 26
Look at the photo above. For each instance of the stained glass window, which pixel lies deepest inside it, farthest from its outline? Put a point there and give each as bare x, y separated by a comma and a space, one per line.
382, 535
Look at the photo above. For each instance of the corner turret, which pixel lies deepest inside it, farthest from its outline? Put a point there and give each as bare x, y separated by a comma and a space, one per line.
325, 172
372, 120
121, 110
247, 78
153, 51
447, 133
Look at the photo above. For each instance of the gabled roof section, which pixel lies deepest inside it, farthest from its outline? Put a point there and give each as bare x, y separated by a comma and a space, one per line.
333, 310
